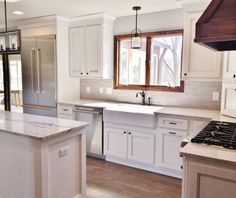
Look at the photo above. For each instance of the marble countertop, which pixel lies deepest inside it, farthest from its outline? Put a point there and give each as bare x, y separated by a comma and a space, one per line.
209, 152
136, 108
39, 127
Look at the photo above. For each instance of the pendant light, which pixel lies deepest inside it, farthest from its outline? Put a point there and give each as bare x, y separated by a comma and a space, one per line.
10, 41
136, 39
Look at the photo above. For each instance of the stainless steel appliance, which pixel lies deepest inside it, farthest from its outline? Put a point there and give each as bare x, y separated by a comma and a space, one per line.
39, 75
219, 134
94, 133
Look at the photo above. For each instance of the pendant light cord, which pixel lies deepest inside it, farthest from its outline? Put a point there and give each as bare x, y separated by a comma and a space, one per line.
136, 22
5, 9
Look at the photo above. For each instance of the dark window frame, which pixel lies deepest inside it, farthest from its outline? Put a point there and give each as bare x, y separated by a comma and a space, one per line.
147, 86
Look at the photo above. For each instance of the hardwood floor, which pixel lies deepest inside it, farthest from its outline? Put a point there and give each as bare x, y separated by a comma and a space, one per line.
109, 180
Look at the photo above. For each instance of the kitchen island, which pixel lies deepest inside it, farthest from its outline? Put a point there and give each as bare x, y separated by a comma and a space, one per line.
41, 157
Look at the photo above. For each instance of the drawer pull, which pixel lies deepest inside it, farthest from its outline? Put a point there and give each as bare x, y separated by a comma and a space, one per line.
172, 133
65, 110
172, 123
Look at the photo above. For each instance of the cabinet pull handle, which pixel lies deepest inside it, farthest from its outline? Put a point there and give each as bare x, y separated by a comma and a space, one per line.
234, 76
172, 133
124, 132
129, 133
65, 109
172, 123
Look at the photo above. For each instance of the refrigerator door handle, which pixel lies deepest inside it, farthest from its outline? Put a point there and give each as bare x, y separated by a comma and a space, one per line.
32, 66
38, 54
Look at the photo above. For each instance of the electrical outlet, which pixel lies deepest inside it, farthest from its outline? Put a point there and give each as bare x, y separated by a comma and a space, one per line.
109, 91
101, 90
88, 90
215, 96
63, 151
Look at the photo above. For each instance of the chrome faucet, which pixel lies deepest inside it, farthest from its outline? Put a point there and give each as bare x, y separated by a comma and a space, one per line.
143, 94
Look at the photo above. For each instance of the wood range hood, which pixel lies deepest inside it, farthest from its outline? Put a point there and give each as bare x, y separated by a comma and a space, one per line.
216, 28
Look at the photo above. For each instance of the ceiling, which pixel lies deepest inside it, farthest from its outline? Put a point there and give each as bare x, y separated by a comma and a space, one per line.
71, 8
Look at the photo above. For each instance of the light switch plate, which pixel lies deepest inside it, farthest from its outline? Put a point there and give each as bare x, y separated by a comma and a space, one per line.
88, 90
101, 90
215, 96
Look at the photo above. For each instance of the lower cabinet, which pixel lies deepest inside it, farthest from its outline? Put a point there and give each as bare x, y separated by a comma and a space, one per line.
130, 144
202, 180
116, 142
141, 147
168, 147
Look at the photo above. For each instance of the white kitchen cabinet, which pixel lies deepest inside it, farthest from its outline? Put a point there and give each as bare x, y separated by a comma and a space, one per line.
141, 147
65, 112
228, 101
77, 55
198, 61
168, 148
129, 144
91, 46
116, 142
203, 180
229, 72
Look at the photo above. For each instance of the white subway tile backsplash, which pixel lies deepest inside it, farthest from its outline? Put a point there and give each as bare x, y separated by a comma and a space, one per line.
197, 94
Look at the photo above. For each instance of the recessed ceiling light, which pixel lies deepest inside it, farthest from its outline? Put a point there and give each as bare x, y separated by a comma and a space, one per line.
17, 12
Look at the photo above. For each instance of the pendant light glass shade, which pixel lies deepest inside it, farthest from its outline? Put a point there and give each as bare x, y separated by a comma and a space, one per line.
10, 41
136, 38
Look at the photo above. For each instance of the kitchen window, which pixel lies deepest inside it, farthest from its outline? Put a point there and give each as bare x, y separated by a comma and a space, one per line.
155, 66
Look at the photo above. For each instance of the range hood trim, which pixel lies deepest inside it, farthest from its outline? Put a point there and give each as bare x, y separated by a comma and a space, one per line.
224, 37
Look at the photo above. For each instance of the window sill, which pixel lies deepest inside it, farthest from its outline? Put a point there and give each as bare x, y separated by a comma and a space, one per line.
151, 88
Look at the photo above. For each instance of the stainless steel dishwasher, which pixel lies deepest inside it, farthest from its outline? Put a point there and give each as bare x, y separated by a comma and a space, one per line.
94, 133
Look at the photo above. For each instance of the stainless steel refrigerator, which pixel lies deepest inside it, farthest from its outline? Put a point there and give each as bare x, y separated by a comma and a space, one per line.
39, 75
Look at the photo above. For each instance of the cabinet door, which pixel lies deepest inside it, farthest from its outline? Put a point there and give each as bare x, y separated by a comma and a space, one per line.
77, 52
168, 148
228, 101
230, 65
198, 61
141, 147
208, 181
94, 50
116, 142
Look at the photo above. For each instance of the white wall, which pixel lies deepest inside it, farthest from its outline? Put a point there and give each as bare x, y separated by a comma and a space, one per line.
166, 20
196, 94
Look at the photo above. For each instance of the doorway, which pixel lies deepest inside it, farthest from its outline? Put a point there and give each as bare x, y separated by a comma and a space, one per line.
11, 83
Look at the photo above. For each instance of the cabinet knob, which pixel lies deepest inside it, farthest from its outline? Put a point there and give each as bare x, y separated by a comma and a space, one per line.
81, 73
129, 133
124, 132
185, 74
87, 73
234, 75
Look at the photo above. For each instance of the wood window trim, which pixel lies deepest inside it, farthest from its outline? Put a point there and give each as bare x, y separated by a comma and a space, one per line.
147, 86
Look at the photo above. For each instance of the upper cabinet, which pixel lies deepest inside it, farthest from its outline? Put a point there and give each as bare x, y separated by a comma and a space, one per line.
229, 72
198, 62
91, 46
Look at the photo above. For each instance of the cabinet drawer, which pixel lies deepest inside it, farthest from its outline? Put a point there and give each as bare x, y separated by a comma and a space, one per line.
173, 123
65, 110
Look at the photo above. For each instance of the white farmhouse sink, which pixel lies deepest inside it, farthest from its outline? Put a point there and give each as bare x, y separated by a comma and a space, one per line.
137, 115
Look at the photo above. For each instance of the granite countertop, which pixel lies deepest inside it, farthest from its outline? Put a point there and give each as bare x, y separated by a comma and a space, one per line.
39, 127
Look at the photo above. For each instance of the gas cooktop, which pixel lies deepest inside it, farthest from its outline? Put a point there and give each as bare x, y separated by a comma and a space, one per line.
218, 133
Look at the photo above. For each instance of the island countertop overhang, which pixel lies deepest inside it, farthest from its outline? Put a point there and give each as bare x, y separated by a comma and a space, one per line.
38, 127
